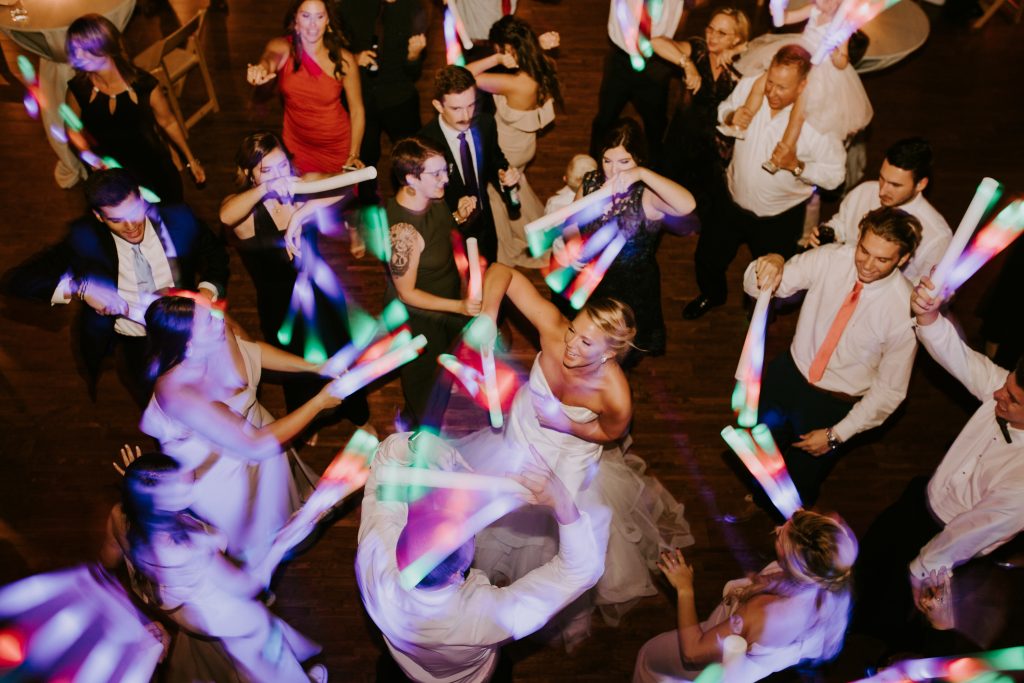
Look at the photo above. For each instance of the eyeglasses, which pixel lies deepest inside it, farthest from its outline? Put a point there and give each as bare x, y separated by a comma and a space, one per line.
441, 172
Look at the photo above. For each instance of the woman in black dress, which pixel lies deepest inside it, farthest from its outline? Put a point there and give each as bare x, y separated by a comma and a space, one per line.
422, 272
259, 215
642, 199
123, 109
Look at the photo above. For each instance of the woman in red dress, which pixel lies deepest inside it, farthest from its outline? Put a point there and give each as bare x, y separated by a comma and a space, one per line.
313, 68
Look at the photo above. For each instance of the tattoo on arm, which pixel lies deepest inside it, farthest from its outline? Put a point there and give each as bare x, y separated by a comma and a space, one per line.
403, 241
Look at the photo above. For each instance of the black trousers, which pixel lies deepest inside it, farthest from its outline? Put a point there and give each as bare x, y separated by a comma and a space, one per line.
647, 90
884, 606
721, 238
789, 406
401, 120
425, 385
131, 368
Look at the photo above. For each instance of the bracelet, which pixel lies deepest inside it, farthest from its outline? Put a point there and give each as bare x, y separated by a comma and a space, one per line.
683, 61
80, 290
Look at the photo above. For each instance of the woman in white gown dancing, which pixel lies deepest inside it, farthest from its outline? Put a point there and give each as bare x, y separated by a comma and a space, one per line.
575, 411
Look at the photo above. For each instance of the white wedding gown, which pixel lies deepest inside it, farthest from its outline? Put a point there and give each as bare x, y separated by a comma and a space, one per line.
645, 518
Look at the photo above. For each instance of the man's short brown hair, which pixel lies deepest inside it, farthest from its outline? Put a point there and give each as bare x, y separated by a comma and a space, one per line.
795, 56
894, 225
451, 80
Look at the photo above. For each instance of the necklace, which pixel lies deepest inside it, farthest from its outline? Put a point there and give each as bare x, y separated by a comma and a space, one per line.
113, 98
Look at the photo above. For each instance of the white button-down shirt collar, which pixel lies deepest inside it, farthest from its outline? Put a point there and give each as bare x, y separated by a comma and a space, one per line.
665, 25
127, 280
451, 135
876, 351
935, 236
978, 489
766, 194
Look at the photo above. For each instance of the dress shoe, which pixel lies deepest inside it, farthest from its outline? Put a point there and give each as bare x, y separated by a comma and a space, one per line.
699, 307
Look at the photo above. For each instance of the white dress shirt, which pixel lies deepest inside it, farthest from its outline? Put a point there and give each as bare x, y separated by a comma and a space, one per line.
978, 489
875, 353
935, 235
766, 194
452, 634
560, 200
127, 282
452, 137
665, 25
478, 16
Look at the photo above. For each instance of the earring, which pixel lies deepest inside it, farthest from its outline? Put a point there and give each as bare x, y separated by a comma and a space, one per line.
604, 359
188, 350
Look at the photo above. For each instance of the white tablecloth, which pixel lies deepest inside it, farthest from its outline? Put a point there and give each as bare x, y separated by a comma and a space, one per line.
42, 34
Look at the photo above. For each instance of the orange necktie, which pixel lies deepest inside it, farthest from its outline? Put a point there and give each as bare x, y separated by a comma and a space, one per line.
828, 347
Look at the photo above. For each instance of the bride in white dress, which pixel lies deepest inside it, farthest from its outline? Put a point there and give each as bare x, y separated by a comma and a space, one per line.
575, 411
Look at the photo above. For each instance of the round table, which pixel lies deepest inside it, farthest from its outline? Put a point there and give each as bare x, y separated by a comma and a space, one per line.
42, 33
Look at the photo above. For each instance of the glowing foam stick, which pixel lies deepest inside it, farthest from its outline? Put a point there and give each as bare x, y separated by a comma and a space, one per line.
991, 240
459, 253
985, 196
361, 375
747, 394
378, 232
591, 277
629, 23
775, 465
778, 11
335, 182
743, 446
734, 651
398, 475
460, 26
602, 196
712, 673
470, 379
476, 281
481, 334
959, 668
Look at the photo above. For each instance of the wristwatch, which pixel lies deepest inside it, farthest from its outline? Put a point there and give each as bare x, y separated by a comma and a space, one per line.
833, 440
799, 170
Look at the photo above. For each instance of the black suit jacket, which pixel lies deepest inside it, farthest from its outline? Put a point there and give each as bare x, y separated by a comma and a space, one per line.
489, 160
89, 251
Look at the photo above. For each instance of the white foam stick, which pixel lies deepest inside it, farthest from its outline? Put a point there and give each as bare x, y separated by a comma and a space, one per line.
440, 479
361, 375
460, 27
335, 182
491, 386
734, 650
755, 333
476, 282
987, 189
562, 215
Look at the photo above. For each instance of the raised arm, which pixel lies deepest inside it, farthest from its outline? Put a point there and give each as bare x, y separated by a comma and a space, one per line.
501, 281
664, 197
274, 56
678, 52
406, 247
499, 84
795, 16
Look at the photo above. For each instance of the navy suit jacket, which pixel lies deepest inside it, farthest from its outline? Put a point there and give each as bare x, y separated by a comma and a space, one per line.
89, 251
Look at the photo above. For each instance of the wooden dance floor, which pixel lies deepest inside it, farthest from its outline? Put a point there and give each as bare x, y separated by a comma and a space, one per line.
962, 90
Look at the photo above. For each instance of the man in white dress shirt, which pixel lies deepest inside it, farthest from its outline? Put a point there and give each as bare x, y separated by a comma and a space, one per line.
973, 503
116, 260
902, 179
451, 625
767, 211
621, 84
849, 364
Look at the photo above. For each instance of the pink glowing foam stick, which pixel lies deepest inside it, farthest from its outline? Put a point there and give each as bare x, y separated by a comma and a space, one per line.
440, 479
748, 372
742, 445
591, 277
775, 465
991, 240
476, 281
335, 182
960, 668
987, 193
602, 196
365, 373
470, 379
491, 386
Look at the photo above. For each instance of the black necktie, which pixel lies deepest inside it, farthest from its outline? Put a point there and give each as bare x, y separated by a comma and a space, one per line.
1004, 429
468, 171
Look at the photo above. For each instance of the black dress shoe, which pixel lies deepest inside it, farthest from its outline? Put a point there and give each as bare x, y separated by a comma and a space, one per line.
699, 307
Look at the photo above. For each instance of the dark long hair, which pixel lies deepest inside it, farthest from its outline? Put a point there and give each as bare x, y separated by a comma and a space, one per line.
97, 35
627, 133
334, 37
510, 30
168, 330
250, 153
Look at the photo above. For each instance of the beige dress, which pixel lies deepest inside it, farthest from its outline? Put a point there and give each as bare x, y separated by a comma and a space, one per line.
517, 137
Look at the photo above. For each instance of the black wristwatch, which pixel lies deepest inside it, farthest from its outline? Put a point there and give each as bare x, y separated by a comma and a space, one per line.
833, 440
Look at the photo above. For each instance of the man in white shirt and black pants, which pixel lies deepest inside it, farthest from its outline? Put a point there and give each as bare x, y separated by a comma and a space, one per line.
973, 503
766, 211
904, 175
849, 364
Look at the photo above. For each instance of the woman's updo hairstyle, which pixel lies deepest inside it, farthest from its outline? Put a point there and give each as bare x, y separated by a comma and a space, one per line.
616, 320
819, 550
